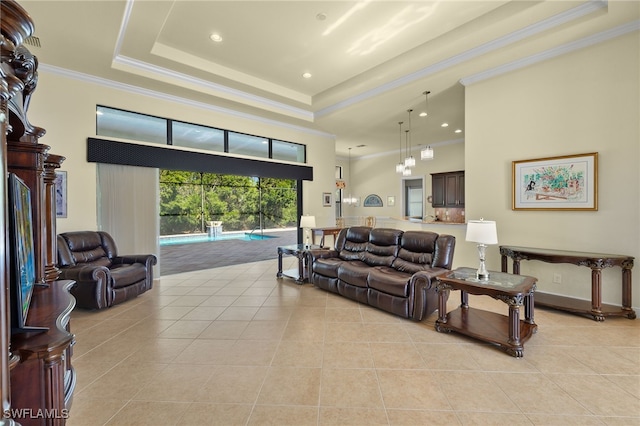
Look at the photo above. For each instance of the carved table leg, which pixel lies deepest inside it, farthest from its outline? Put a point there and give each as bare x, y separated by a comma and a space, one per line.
279, 274
596, 294
301, 255
443, 296
529, 308
626, 291
514, 328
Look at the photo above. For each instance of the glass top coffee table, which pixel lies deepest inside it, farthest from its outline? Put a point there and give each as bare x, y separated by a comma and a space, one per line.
507, 332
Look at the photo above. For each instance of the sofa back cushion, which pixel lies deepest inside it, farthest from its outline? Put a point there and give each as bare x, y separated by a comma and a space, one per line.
97, 248
417, 249
382, 247
354, 243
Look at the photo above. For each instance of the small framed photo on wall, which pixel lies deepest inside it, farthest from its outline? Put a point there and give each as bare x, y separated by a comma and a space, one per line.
326, 199
61, 193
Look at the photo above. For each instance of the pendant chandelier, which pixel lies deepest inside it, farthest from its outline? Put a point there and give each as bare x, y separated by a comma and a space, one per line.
409, 161
400, 165
407, 170
349, 200
427, 152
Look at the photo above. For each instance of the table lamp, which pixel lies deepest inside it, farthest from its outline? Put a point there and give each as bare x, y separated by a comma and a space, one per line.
307, 222
482, 232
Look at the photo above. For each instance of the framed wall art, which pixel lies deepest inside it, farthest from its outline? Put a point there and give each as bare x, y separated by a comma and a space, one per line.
568, 182
372, 200
61, 193
326, 199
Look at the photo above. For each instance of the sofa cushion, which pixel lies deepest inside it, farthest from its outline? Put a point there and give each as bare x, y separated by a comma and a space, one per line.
389, 280
416, 251
354, 272
355, 244
382, 247
327, 267
124, 275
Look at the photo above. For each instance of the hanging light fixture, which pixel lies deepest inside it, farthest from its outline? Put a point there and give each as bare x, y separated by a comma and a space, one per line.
349, 200
427, 152
409, 161
400, 165
407, 170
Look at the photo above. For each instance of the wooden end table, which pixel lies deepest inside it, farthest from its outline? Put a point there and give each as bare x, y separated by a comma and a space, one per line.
507, 332
301, 274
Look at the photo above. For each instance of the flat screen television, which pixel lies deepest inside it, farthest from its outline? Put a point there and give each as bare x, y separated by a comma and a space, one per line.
22, 255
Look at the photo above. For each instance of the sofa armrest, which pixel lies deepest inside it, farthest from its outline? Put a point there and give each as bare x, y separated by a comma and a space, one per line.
426, 277
321, 254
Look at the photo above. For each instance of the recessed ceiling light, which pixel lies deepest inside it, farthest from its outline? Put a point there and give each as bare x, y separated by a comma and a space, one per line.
321, 16
307, 75
215, 37
458, 131
444, 125
423, 114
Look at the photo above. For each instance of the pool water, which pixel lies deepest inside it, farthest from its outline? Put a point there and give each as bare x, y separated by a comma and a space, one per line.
204, 238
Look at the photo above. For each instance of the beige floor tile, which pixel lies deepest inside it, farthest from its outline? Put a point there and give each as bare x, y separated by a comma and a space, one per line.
224, 330
209, 414
291, 386
184, 329
599, 395
347, 355
245, 300
279, 415
151, 413
204, 313
355, 388
537, 394
309, 356
299, 354
264, 330
92, 412
232, 384
411, 389
473, 391
122, 381
422, 417
333, 416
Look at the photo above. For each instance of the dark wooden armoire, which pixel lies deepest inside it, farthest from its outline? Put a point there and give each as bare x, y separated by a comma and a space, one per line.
36, 376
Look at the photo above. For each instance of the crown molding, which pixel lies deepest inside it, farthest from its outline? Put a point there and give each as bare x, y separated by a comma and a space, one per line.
521, 34
128, 88
552, 53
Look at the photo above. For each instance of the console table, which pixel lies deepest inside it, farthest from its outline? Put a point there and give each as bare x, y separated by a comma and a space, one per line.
595, 261
322, 232
507, 332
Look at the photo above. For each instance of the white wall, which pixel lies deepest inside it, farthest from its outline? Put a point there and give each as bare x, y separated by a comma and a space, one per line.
66, 108
585, 101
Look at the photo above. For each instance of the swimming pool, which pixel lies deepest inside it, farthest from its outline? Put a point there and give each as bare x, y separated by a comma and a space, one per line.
204, 238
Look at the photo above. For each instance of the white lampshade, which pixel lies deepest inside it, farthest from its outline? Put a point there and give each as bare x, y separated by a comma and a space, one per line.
482, 231
307, 221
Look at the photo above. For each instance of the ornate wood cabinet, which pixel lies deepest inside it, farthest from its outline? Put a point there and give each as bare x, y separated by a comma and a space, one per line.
36, 377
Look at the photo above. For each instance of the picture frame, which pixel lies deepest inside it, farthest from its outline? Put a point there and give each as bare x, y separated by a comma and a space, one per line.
568, 182
61, 193
391, 201
372, 200
326, 199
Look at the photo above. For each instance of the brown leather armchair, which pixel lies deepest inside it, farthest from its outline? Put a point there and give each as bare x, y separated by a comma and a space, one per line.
103, 278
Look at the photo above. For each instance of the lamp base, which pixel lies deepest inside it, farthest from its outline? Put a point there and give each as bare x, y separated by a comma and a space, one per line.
482, 274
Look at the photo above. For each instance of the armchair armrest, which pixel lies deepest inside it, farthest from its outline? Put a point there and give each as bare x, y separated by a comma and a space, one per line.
425, 278
147, 259
93, 285
425, 293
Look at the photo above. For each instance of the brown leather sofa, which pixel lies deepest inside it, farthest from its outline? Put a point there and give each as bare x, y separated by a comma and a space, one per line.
389, 269
102, 278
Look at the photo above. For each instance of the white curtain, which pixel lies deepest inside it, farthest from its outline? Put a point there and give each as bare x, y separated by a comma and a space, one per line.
128, 208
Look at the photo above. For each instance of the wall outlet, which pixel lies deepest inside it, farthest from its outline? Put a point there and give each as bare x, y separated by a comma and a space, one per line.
557, 278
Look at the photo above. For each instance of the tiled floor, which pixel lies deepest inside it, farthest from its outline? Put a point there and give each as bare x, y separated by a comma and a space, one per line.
234, 345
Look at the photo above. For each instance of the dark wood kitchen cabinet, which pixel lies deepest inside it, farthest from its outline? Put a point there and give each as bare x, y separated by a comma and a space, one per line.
447, 189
